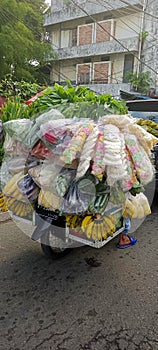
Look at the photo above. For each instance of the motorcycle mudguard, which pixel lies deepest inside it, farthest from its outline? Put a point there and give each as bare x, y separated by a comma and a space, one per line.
41, 229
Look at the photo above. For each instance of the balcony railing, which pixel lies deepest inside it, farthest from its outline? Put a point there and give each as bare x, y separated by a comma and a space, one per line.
97, 49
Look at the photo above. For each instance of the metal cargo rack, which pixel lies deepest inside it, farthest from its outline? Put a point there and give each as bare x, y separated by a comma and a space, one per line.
30, 220
75, 236
68, 234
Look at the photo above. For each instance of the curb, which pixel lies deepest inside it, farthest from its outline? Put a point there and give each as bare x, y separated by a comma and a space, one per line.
4, 216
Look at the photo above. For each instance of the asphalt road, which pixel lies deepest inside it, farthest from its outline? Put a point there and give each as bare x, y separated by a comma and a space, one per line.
69, 305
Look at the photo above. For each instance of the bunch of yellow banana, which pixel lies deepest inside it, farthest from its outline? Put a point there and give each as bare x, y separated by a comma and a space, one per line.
74, 222
98, 229
11, 189
150, 126
48, 200
3, 206
87, 225
18, 208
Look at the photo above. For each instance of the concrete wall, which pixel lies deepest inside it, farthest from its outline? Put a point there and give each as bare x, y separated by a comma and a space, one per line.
55, 38
128, 26
117, 70
68, 68
111, 70
61, 14
112, 89
65, 38
150, 47
122, 28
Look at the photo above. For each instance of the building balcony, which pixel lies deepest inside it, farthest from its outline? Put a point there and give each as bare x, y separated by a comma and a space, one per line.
97, 49
72, 12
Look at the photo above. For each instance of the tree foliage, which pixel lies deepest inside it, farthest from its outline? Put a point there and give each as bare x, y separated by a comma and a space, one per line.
24, 50
140, 82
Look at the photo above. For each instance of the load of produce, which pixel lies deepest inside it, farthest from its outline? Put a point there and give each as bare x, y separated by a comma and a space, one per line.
15, 200
3, 206
149, 125
80, 167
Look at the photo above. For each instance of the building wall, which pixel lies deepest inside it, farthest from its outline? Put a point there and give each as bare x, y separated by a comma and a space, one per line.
82, 33
55, 37
65, 38
62, 71
150, 46
128, 26
117, 71
121, 28
102, 69
60, 13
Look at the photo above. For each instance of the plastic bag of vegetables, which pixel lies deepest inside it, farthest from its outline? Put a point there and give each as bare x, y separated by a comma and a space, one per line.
16, 164
18, 129
35, 134
41, 151
28, 188
78, 197
63, 180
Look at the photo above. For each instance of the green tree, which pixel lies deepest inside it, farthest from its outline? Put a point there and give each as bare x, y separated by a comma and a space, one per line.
24, 49
140, 82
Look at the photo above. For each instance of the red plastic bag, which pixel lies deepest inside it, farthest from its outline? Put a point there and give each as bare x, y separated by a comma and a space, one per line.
34, 98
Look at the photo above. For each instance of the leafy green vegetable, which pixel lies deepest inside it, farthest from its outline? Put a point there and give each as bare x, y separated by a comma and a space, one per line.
10, 87
13, 109
76, 101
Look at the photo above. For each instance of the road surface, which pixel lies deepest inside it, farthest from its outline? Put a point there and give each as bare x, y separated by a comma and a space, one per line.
69, 305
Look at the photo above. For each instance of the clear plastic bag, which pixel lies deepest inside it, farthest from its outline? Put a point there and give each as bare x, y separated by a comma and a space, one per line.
5, 175
16, 164
117, 196
34, 134
28, 188
136, 206
63, 180
41, 151
78, 198
77, 142
121, 121
141, 161
146, 139
18, 129
10, 146
45, 175
49, 200
34, 172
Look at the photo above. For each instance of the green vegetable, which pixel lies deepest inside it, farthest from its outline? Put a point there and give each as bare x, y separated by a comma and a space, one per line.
78, 102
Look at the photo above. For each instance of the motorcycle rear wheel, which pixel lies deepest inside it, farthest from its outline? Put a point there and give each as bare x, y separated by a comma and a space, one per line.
54, 247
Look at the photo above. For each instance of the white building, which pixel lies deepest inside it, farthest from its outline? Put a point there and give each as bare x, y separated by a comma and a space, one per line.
98, 41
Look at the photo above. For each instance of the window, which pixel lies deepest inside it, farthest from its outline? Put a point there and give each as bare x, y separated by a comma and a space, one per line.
74, 37
105, 58
83, 73
103, 31
128, 66
101, 72
87, 60
85, 34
